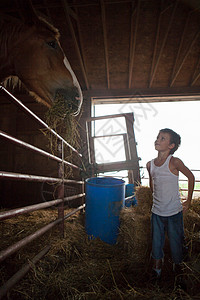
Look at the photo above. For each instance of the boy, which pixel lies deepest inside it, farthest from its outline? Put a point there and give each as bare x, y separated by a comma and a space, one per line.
167, 210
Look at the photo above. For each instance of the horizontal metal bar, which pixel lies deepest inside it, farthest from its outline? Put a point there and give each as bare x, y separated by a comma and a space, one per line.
180, 180
187, 180
15, 247
192, 170
129, 197
74, 211
27, 209
22, 272
187, 190
35, 149
26, 177
21, 105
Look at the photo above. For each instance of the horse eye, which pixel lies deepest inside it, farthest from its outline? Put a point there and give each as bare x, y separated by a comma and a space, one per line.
52, 44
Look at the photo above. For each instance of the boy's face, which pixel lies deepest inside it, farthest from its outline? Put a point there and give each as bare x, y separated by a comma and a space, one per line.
163, 142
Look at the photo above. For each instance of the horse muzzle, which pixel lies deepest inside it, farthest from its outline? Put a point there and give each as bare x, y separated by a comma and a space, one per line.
70, 99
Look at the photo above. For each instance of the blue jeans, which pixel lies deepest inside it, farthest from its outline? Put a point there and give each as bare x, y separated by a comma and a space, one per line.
173, 226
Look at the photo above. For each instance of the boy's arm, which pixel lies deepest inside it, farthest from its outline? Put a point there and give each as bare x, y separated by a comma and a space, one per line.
191, 181
150, 178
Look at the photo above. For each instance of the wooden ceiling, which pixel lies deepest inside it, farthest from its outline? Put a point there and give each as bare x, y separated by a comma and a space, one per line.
126, 48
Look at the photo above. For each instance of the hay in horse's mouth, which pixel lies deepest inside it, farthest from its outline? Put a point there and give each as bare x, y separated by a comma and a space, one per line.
66, 103
60, 117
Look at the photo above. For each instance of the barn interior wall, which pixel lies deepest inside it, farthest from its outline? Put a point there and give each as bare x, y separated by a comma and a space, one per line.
19, 160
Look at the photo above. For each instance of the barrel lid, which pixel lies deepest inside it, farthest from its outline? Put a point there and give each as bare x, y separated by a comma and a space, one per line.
105, 181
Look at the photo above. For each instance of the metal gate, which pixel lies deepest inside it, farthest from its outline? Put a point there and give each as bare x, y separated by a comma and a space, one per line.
60, 201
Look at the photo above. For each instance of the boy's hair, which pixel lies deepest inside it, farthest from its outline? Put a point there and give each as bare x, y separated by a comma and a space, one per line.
174, 138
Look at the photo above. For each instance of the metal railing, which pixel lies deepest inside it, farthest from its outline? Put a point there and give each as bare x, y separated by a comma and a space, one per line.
33, 178
180, 180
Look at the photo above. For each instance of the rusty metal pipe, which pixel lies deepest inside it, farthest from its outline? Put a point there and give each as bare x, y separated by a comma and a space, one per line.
74, 211
35, 149
21, 105
27, 209
61, 187
26, 177
14, 248
21, 273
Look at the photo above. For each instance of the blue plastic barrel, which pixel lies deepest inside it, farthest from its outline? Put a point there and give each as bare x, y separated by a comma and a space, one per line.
104, 200
130, 191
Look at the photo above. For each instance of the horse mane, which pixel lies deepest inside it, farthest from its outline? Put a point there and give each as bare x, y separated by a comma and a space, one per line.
13, 27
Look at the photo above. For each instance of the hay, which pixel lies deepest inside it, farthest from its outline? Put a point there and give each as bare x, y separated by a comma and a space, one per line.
79, 268
135, 229
192, 230
195, 205
64, 123
192, 221
144, 200
19, 227
135, 235
74, 265
60, 118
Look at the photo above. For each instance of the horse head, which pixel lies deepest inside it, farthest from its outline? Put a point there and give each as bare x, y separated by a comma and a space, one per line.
33, 53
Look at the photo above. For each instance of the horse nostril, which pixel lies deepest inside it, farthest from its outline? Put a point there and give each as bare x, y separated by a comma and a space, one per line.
78, 100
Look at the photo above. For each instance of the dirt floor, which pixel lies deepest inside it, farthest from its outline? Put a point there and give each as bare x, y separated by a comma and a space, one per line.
78, 268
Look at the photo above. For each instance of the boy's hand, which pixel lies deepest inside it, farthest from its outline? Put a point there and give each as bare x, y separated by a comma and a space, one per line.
185, 204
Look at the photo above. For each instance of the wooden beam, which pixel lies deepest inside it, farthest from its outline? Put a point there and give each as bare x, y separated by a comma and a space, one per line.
65, 6
88, 134
133, 38
129, 118
196, 73
126, 147
140, 94
179, 49
185, 56
54, 5
163, 44
195, 79
82, 50
156, 42
108, 117
96, 3
47, 10
118, 166
103, 14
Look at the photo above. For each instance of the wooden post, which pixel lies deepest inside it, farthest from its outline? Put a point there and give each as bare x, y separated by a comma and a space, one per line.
132, 146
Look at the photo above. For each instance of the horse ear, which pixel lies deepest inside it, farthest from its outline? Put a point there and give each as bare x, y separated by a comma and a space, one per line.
28, 12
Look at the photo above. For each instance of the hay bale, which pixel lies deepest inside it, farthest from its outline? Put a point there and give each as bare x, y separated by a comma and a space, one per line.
135, 228
195, 205
192, 227
191, 221
135, 234
144, 199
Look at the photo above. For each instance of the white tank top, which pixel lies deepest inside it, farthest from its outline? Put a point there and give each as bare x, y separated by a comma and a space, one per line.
166, 197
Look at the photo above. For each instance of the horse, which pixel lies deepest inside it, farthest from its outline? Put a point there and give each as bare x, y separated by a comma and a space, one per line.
31, 50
